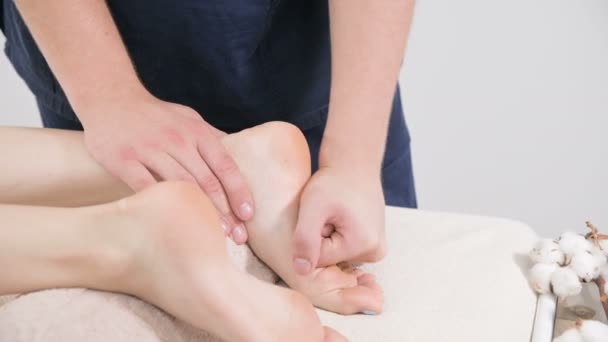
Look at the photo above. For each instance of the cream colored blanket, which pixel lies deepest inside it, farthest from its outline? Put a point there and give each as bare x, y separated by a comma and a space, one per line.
447, 277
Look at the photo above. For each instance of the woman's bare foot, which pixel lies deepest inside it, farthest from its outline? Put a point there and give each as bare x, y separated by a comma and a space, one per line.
179, 262
343, 290
275, 161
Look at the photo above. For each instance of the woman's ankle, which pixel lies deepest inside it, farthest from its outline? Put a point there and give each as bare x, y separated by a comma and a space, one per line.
108, 259
168, 221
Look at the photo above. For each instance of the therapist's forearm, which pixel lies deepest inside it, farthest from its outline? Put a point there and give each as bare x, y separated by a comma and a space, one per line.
368, 41
82, 45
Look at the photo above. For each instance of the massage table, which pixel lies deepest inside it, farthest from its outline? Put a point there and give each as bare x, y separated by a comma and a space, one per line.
447, 277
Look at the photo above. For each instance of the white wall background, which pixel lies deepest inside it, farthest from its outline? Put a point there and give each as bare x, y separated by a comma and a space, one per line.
17, 105
507, 103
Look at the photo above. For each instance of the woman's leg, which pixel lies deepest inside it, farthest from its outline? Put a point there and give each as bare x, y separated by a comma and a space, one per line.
163, 245
44, 248
52, 168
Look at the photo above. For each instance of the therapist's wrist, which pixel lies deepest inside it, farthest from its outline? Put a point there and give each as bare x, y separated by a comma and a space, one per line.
351, 156
353, 140
354, 164
91, 107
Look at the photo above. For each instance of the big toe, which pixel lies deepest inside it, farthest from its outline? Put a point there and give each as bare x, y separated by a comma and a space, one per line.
360, 299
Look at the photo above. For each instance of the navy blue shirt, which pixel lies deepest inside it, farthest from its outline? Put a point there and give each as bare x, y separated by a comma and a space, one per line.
237, 62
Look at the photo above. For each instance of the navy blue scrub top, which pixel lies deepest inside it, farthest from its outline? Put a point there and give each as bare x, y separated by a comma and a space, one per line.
238, 63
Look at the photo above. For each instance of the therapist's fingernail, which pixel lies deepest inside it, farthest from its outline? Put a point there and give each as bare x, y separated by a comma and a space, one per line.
246, 211
239, 235
369, 312
224, 225
301, 265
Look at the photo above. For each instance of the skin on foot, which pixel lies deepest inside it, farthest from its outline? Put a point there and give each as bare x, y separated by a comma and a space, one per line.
275, 161
342, 289
179, 263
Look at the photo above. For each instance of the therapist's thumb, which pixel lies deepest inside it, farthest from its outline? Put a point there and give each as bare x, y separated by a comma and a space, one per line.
307, 238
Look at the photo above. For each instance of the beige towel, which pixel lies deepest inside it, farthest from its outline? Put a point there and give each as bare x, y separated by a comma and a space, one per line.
447, 277
6, 299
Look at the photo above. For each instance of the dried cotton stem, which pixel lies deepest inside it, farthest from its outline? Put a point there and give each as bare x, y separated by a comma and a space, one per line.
600, 282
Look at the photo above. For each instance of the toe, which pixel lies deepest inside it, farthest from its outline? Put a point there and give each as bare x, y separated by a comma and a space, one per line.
352, 300
369, 280
333, 336
360, 299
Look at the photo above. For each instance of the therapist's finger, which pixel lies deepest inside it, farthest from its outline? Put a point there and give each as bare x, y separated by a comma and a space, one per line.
229, 176
135, 175
335, 249
328, 229
343, 245
307, 236
192, 161
167, 168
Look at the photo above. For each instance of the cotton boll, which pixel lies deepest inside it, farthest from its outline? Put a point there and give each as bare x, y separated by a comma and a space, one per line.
599, 255
540, 277
604, 245
570, 243
586, 265
565, 282
572, 335
593, 331
547, 251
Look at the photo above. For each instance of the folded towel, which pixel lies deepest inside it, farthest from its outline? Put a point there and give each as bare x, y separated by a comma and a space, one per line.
6, 299
446, 277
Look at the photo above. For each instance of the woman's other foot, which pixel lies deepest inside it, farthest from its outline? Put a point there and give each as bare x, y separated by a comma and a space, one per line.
178, 261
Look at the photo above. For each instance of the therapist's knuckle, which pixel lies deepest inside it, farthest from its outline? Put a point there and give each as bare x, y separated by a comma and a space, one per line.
210, 183
301, 242
186, 111
174, 137
370, 243
183, 175
379, 253
226, 167
200, 131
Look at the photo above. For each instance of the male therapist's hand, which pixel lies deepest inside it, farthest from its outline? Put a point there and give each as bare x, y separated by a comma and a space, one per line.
341, 218
134, 135
341, 215
145, 140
